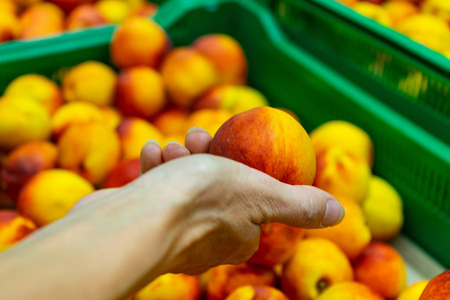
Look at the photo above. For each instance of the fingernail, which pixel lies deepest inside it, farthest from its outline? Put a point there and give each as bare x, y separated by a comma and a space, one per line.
334, 214
196, 128
174, 143
153, 141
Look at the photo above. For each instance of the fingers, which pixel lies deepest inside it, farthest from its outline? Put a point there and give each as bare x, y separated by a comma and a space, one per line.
151, 156
198, 140
174, 150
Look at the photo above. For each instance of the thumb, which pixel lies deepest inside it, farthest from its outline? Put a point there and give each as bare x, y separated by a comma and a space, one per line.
302, 206
294, 205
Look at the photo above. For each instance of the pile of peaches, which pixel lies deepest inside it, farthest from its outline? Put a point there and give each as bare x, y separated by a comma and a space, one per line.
33, 19
61, 141
425, 21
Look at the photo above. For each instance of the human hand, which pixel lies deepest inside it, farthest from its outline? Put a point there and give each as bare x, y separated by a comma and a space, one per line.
185, 213
223, 226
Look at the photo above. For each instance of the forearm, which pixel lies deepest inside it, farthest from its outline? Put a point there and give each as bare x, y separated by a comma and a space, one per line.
91, 254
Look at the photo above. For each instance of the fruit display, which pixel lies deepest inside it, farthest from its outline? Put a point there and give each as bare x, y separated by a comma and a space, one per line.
49, 135
34, 19
426, 22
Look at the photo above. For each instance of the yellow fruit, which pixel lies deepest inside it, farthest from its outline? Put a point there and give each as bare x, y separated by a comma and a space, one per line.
383, 210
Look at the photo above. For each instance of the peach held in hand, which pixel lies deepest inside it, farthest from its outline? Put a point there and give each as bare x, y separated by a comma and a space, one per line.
438, 288
50, 194
268, 140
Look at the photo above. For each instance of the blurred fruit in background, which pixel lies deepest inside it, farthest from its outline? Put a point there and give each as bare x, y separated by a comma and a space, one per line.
235, 98
277, 244
81, 83
349, 137
381, 268
208, 119
75, 113
427, 30
187, 75
82, 151
85, 16
140, 92
171, 287
41, 20
383, 210
413, 291
123, 172
424, 21
50, 194
221, 281
317, 265
22, 120
352, 235
134, 133
227, 56
342, 174
36, 19
249, 292
9, 26
25, 161
38, 87
374, 12
172, 121
13, 228
138, 42
349, 290
399, 11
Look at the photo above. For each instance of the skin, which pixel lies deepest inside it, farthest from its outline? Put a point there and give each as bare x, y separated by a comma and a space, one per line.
185, 214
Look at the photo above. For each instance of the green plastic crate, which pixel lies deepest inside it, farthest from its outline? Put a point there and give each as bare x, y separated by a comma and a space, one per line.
405, 75
415, 162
